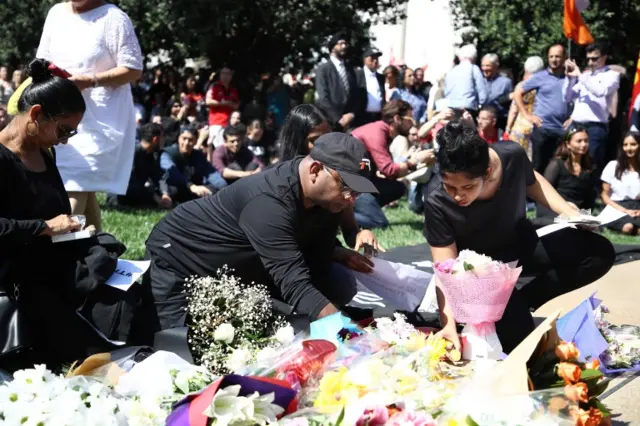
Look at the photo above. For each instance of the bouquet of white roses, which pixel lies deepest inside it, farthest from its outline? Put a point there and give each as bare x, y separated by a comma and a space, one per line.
477, 289
232, 324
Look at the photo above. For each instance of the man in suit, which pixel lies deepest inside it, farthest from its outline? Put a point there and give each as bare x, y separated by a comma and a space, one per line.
371, 88
336, 84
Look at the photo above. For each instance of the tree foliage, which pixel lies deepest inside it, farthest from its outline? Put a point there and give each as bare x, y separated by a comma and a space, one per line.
254, 35
516, 29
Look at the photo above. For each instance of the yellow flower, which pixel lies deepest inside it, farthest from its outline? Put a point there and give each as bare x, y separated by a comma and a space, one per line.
416, 342
336, 390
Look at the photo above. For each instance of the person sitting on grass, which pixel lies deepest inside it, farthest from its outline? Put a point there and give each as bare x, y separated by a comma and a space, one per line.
621, 185
189, 174
148, 183
233, 159
477, 201
571, 173
488, 124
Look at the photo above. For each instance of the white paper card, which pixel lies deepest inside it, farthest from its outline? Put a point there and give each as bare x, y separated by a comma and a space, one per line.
546, 230
609, 214
423, 264
127, 272
421, 175
402, 285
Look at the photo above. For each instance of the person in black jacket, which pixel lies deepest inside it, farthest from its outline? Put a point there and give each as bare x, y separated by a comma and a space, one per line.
148, 183
39, 276
337, 86
187, 170
371, 88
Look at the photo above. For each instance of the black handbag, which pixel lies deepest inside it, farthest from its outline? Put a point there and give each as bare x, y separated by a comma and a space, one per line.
14, 336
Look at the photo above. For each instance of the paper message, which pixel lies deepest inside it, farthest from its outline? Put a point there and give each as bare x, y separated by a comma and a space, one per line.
401, 285
127, 273
606, 216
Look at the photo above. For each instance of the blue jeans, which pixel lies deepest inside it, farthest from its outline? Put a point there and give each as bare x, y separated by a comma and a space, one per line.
368, 208
416, 200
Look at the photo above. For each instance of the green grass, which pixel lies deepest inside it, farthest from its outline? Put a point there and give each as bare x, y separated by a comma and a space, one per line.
133, 226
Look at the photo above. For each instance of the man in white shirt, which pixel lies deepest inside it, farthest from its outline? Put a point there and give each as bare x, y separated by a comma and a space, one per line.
371, 85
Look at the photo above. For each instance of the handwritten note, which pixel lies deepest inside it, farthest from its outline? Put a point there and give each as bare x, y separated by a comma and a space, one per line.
606, 216
401, 285
127, 273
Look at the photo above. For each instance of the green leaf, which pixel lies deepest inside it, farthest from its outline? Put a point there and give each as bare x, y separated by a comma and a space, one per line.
340, 418
599, 388
596, 403
470, 422
590, 374
467, 266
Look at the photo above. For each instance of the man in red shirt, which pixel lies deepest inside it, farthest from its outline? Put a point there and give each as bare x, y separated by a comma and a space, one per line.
222, 99
487, 124
396, 120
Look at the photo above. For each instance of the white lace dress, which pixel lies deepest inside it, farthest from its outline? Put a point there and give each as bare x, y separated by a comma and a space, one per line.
99, 158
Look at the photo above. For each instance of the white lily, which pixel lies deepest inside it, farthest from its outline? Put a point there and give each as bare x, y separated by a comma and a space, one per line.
227, 407
265, 411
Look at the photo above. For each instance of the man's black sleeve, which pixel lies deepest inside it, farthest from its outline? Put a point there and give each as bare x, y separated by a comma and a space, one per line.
268, 223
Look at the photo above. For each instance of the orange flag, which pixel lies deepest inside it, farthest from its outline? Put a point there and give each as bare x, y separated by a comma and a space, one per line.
574, 26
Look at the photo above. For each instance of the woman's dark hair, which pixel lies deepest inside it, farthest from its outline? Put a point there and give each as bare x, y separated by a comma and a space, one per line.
56, 95
190, 129
256, 123
295, 129
564, 154
462, 150
230, 115
623, 160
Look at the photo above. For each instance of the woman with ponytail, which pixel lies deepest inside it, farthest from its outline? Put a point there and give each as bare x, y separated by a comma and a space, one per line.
477, 201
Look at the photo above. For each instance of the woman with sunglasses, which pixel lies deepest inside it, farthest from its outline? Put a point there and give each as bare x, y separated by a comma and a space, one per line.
47, 109
571, 173
477, 201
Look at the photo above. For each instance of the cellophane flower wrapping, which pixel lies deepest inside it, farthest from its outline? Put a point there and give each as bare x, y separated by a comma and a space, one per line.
477, 289
540, 408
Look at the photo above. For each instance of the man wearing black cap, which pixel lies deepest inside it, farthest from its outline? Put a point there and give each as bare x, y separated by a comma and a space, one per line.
276, 228
337, 86
371, 85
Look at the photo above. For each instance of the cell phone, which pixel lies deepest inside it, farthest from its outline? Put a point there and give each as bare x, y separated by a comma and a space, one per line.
369, 251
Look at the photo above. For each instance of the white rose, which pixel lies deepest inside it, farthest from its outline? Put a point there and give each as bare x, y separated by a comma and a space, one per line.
285, 335
266, 354
239, 358
224, 333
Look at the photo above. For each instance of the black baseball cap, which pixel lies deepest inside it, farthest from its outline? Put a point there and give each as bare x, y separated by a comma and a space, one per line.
348, 157
371, 51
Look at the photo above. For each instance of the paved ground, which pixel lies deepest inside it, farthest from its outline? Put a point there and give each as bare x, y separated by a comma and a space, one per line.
620, 292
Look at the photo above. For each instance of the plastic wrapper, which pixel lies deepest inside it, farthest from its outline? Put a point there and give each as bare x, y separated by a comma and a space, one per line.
107, 368
479, 298
296, 364
623, 354
545, 407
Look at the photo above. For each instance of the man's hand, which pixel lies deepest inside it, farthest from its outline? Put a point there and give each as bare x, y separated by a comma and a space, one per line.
366, 237
533, 119
346, 120
444, 115
165, 201
428, 157
82, 81
632, 213
200, 190
571, 69
567, 123
256, 171
61, 225
352, 260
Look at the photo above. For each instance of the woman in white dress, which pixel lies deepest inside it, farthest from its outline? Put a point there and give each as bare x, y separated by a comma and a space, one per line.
96, 43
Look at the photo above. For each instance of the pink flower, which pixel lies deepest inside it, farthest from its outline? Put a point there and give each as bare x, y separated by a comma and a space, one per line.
374, 416
445, 267
411, 418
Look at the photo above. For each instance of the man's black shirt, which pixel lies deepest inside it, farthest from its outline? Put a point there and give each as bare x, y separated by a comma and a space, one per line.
260, 228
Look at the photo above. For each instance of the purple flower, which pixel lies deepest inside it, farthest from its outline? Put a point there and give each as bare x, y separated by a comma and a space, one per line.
445, 267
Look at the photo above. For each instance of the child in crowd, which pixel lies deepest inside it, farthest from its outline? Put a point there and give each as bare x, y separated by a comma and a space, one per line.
189, 174
621, 185
488, 124
233, 159
571, 172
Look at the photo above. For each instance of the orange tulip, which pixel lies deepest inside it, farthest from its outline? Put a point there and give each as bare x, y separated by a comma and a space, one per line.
578, 392
569, 372
594, 364
567, 351
593, 417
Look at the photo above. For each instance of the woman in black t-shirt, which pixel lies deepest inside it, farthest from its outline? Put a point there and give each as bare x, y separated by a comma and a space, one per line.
571, 173
478, 201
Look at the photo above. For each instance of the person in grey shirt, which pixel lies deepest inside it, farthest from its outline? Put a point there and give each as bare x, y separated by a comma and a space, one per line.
499, 87
464, 85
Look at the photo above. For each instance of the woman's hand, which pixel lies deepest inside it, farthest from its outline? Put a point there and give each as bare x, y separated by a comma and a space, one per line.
632, 213
61, 225
366, 237
83, 81
352, 260
450, 333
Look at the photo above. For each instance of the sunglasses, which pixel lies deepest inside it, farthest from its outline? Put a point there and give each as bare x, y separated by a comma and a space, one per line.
63, 132
592, 58
347, 192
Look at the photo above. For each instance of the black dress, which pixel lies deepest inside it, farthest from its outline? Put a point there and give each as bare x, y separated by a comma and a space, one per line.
43, 272
576, 189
